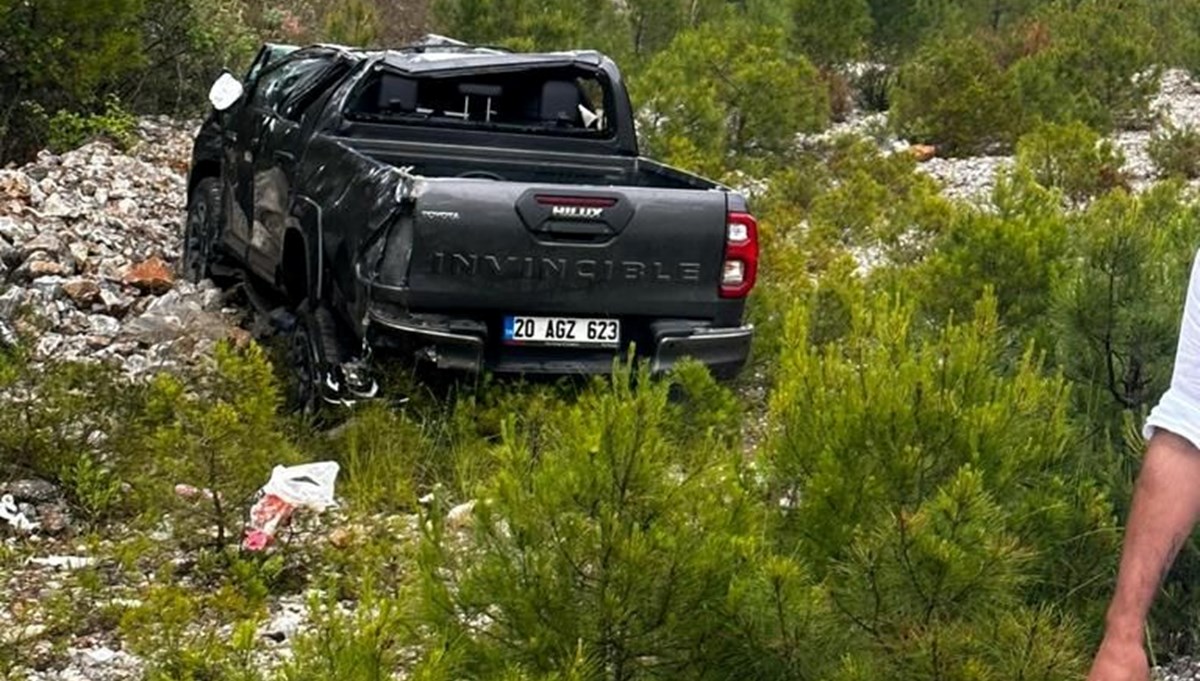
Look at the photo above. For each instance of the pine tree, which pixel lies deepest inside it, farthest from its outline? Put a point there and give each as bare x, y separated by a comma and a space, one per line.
609, 539
937, 494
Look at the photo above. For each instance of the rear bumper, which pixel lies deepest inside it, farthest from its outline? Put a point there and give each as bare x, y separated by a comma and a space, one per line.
466, 344
723, 350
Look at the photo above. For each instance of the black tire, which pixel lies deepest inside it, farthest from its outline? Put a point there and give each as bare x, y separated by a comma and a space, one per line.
313, 350
201, 230
305, 359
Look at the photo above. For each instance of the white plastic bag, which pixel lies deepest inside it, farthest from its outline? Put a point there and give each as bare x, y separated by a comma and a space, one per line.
308, 486
15, 519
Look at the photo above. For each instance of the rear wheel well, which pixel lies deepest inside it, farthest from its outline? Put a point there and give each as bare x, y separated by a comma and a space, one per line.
293, 268
202, 170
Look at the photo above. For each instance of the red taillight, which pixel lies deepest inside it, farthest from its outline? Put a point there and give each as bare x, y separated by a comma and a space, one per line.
740, 268
580, 201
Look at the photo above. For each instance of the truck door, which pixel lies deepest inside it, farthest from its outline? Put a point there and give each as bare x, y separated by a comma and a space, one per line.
233, 124
266, 145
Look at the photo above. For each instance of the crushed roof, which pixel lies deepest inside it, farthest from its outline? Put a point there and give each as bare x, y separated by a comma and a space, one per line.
476, 58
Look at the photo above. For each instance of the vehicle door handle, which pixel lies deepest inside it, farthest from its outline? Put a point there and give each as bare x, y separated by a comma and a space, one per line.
575, 230
283, 156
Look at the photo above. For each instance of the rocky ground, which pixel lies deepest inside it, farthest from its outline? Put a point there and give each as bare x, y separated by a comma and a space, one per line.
89, 242
89, 246
973, 178
1177, 103
88, 584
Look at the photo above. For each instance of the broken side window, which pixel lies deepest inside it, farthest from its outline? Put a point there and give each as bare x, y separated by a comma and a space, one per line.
280, 82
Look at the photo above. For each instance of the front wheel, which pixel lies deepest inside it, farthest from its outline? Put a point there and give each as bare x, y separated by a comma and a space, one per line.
200, 231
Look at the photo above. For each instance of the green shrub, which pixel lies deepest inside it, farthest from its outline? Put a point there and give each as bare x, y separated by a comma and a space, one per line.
702, 97
1119, 309
940, 591
79, 56
602, 539
72, 52
362, 645
831, 32
69, 130
70, 423
188, 43
832, 218
117, 447
163, 631
877, 205
220, 432
874, 87
1178, 41
903, 26
954, 94
702, 409
1016, 251
353, 22
23, 130
1096, 65
1091, 61
70, 49
934, 485
1071, 158
540, 25
1175, 151
96, 489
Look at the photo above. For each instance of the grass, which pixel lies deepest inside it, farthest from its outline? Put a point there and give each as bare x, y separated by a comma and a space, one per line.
581, 523
190, 610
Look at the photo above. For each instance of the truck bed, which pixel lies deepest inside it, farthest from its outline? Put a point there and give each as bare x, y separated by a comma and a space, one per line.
431, 159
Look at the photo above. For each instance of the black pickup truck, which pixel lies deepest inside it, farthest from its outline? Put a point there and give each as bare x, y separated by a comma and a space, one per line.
479, 209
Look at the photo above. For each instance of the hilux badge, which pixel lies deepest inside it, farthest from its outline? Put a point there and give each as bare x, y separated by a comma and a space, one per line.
576, 212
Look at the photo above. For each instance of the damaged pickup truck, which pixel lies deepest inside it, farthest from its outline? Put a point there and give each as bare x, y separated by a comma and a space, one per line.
474, 208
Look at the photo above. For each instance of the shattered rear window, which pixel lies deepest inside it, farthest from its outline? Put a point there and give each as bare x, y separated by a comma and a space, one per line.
564, 101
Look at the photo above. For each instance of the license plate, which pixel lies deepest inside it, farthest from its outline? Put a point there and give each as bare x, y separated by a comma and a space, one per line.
562, 331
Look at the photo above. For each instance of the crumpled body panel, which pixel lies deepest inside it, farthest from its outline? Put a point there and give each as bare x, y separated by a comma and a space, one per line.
357, 198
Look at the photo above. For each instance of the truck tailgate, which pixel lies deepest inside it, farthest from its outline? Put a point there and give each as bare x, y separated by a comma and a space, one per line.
511, 247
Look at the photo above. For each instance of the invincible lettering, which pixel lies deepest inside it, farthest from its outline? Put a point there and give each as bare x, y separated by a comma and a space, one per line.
563, 269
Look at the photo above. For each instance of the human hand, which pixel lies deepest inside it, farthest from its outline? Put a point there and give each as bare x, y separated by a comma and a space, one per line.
1120, 660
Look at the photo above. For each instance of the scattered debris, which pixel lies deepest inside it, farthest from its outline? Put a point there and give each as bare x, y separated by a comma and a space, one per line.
286, 623
290, 487
923, 152
342, 538
11, 514
461, 516
192, 493
36, 505
63, 562
15, 633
